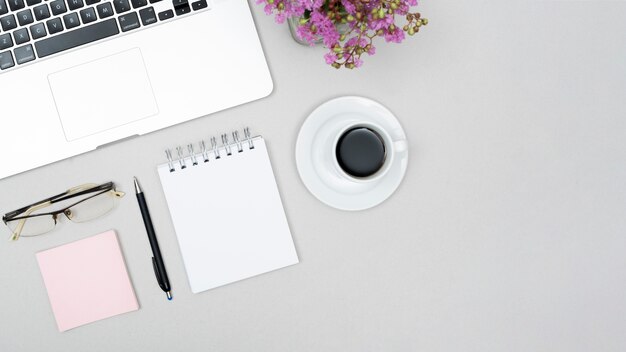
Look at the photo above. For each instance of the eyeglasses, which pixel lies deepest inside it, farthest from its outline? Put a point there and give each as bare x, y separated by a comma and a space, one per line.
86, 202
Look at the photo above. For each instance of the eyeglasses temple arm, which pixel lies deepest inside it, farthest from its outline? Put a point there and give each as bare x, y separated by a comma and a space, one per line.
92, 189
19, 211
20, 224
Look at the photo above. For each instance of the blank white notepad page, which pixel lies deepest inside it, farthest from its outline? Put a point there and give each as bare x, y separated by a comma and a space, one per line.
228, 217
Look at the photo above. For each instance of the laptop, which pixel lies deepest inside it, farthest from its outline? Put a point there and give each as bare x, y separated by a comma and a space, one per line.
79, 74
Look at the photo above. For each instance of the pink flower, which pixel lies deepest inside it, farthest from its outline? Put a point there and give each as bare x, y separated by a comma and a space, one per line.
325, 28
380, 23
396, 36
330, 58
356, 41
280, 18
320, 20
304, 33
349, 6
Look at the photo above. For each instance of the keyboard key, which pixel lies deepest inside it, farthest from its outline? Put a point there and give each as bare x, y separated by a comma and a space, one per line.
77, 37
129, 22
4, 9
71, 20
75, 4
25, 17
32, 2
91, 2
24, 54
121, 6
54, 26
6, 41
21, 36
58, 7
181, 7
182, 10
148, 16
105, 10
154, 1
15, 5
41, 12
8, 22
139, 3
6, 60
88, 15
38, 31
199, 5
166, 15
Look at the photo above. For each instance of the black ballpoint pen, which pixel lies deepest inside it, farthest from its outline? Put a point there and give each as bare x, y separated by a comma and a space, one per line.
157, 259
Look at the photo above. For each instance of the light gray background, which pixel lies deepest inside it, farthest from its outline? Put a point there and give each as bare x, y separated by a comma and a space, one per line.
507, 234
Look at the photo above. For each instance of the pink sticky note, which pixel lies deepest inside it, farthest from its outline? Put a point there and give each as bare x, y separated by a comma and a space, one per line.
87, 281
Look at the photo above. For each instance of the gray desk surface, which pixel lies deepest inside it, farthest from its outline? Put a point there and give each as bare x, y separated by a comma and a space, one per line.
508, 233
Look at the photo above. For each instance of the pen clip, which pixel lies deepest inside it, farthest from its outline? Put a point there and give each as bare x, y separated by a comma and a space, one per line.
157, 273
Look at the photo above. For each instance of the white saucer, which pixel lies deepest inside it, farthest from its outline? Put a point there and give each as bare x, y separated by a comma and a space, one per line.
315, 153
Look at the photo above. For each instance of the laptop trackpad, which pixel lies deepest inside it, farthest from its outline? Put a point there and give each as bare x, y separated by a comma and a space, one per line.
103, 94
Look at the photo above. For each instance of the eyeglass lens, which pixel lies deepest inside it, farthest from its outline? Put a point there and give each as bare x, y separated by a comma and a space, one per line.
34, 226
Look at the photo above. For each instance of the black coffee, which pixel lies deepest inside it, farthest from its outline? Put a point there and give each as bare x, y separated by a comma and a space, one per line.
360, 152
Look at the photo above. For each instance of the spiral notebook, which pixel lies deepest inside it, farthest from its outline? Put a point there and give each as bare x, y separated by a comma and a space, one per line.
226, 210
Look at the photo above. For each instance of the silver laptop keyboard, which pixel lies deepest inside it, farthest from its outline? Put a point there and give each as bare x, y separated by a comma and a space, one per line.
33, 29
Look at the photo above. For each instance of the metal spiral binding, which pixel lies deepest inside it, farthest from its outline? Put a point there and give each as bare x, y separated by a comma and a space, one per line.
216, 150
236, 139
205, 152
170, 161
181, 157
194, 160
226, 144
248, 136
